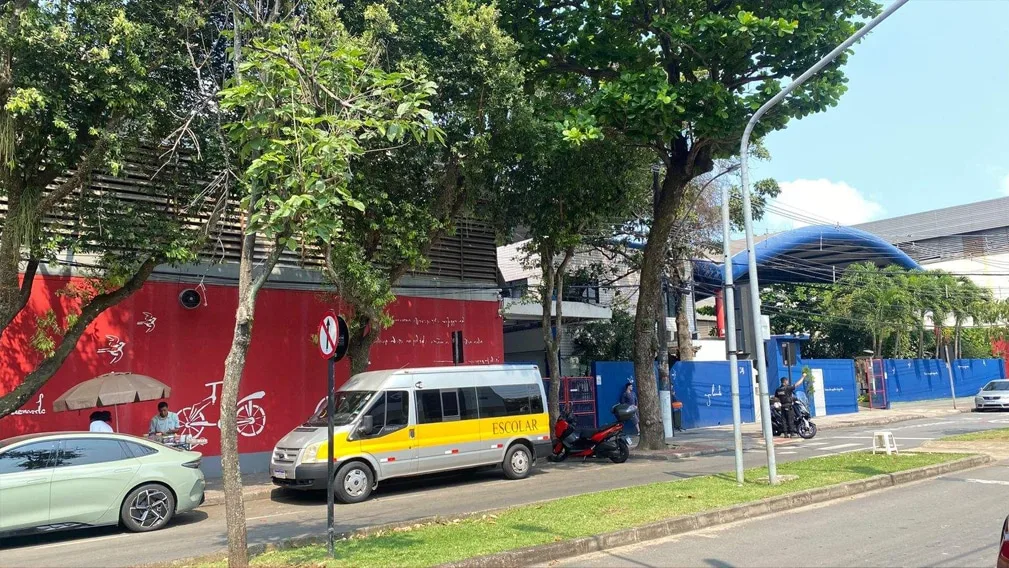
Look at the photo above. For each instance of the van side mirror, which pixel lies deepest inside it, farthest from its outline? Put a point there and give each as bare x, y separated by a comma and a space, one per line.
367, 425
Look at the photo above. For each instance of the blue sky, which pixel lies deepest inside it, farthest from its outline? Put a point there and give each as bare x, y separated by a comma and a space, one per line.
924, 124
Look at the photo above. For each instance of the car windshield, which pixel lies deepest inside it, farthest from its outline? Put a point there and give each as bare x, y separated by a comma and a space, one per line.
997, 386
348, 405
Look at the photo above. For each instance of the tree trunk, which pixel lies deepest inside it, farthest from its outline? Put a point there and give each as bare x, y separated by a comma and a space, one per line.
684, 341
652, 262
552, 299
10, 260
364, 334
234, 366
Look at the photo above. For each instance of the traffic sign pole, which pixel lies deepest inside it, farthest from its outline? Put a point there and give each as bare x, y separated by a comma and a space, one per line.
330, 474
334, 340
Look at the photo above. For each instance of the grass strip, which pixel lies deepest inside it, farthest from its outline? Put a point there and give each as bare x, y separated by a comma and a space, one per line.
999, 434
588, 514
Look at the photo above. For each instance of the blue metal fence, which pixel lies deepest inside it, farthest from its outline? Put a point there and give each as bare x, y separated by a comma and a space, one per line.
909, 380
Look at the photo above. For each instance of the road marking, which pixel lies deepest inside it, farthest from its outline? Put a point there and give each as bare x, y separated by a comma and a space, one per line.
837, 447
815, 443
77, 541
987, 481
275, 515
923, 425
787, 453
870, 437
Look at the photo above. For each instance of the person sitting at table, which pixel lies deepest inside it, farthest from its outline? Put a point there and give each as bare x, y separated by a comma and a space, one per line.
164, 422
100, 421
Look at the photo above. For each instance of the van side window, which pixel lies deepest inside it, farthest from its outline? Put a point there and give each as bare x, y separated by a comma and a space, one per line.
535, 400
428, 407
468, 406
391, 412
450, 405
397, 409
491, 403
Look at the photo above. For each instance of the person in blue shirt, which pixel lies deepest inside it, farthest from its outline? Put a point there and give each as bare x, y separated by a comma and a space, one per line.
164, 422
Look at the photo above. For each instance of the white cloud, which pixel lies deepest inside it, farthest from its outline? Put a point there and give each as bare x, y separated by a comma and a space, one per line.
819, 201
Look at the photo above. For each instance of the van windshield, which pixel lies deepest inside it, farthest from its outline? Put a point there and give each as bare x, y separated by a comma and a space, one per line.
348, 405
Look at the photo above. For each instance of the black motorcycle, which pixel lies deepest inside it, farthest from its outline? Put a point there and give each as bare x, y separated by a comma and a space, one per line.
803, 425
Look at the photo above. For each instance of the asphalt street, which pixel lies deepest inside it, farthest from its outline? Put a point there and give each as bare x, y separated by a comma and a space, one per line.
284, 516
954, 521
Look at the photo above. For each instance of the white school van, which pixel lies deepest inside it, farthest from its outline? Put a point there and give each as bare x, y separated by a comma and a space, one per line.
406, 422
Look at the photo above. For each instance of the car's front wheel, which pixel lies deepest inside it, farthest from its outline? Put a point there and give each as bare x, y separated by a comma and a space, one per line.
147, 508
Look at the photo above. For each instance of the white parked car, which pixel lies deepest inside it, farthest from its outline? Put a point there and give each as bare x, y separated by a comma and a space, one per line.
994, 396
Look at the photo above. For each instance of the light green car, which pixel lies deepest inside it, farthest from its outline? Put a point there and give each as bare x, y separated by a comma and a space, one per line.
66, 480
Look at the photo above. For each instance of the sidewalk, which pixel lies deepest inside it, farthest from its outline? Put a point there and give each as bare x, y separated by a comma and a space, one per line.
718, 439
691, 443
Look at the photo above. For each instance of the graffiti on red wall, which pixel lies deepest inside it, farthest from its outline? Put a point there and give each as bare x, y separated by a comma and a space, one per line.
152, 334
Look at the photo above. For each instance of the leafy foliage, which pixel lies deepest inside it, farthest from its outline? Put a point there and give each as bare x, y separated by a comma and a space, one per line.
89, 88
680, 77
611, 340
413, 195
310, 98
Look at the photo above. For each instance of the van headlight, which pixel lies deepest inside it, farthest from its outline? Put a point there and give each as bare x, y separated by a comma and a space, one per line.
312, 453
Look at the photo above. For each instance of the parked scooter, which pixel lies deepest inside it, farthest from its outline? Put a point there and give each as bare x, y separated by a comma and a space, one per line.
803, 425
606, 442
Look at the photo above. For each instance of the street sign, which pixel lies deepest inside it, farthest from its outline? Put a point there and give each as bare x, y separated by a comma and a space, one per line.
333, 337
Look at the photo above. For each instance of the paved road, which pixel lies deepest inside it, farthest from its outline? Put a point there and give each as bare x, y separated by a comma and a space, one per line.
203, 532
953, 521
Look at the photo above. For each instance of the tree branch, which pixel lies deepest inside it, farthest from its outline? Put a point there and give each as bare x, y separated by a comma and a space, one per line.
38, 378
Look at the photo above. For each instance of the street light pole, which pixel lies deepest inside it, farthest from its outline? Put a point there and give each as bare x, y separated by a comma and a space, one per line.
744, 148
665, 388
729, 308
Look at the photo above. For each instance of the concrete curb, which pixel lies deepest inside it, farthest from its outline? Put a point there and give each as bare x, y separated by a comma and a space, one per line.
253, 493
678, 525
672, 456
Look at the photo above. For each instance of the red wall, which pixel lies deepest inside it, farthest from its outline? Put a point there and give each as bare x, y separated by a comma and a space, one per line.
186, 349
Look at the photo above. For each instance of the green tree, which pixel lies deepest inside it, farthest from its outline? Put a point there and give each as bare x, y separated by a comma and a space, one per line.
564, 197
610, 340
414, 194
85, 88
307, 99
681, 77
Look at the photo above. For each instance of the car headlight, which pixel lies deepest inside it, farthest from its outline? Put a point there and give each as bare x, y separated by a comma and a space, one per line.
315, 453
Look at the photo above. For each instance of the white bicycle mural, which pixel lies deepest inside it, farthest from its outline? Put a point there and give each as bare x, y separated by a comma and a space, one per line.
251, 416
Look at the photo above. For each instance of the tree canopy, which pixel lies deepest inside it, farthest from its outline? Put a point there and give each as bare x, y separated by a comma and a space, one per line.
88, 89
681, 77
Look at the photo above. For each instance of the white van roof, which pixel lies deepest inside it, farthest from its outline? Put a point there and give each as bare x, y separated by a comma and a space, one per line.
443, 377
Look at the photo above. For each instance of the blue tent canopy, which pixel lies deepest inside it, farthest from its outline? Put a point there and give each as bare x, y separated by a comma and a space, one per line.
806, 255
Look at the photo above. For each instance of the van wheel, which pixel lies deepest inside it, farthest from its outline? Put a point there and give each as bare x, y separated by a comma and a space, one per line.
353, 484
518, 462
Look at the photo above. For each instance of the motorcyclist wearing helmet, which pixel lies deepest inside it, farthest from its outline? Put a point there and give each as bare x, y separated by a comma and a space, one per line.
786, 396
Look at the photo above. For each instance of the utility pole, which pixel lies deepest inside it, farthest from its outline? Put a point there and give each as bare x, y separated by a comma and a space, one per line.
729, 307
665, 394
744, 149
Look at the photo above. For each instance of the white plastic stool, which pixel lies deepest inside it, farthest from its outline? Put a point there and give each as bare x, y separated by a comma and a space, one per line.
884, 441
